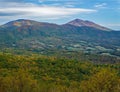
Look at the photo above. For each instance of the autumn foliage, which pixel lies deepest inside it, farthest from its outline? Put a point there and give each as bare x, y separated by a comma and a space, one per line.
37, 73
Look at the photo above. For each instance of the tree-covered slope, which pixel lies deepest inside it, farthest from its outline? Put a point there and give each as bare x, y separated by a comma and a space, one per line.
38, 73
33, 35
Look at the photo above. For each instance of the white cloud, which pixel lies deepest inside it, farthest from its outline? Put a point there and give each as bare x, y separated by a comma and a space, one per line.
29, 10
44, 11
13, 10
102, 5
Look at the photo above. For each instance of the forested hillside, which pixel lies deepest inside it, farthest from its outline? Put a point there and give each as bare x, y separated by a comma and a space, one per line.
59, 45
39, 73
77, 35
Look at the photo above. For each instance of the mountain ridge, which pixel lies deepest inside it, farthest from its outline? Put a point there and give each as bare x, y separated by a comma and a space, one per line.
75, 22
24, 22
42, 36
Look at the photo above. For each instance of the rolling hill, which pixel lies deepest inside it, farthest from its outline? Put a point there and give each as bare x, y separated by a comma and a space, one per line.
76, 35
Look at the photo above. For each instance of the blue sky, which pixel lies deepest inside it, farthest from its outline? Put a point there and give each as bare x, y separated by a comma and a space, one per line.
104, 12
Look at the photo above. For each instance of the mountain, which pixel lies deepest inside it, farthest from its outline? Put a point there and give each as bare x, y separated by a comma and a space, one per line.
77, 35
80, 23
23, 27
21, 22
25, 22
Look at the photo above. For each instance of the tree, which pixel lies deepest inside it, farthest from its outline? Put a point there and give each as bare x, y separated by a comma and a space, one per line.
19, 82
105, 80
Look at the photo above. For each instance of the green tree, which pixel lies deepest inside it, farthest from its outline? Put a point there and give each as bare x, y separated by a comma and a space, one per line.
106, 80
19, 82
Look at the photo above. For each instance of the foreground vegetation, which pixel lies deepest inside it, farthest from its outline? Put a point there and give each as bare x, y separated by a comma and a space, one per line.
38, 73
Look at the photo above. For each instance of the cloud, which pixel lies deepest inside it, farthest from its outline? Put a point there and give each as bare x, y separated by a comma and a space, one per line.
30, 10
102, 5
65, 3
44, 11
13, 9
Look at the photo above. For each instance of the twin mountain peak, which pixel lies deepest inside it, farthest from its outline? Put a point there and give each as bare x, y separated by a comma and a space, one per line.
75, 22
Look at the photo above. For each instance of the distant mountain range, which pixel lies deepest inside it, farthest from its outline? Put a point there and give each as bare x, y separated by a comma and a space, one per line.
76, 35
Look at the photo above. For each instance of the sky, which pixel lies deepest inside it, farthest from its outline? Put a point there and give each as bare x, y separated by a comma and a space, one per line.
103, 12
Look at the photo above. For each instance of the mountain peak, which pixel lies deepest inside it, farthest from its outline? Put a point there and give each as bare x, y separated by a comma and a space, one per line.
20, 22
77, 20
80, 23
